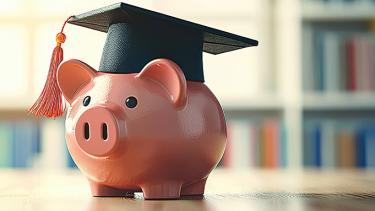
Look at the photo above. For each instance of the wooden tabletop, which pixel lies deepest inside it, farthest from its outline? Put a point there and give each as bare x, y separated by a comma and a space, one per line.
225, 190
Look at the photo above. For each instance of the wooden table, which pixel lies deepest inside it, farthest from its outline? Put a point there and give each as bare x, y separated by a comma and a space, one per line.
226, 190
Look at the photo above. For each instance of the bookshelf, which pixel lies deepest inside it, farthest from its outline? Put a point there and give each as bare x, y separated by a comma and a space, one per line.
337, 82
337, 11
339, 101
264, 83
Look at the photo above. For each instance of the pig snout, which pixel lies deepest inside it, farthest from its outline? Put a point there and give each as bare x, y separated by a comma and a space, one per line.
98, 130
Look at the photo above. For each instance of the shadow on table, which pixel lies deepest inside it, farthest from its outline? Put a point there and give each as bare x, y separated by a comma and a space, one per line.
138, 203
249, 202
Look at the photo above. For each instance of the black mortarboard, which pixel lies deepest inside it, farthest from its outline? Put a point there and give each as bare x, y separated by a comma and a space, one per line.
136, 36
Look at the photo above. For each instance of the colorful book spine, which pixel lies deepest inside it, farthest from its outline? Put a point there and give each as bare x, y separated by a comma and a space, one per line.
240, 144
6, 148
346, 149
331, 62
360, 148
283, 146
254, 144
351, 49
341, 59
312, 145
22, 144
320, 57
328, 145
270, 148
370, 148
53, 155
317, 141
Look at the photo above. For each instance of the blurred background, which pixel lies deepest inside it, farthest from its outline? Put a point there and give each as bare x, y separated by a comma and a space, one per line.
304, 98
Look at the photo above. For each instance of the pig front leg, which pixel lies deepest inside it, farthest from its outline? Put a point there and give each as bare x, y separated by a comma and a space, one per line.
164, 190
103, 190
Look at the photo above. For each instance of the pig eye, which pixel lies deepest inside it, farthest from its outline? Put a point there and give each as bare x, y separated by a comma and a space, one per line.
131, 102
86, 101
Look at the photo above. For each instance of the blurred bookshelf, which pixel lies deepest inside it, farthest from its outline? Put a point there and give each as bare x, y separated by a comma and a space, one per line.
283, 109
338, 81
338, 10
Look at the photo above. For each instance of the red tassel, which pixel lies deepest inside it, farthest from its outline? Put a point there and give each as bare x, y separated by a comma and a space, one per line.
50, 102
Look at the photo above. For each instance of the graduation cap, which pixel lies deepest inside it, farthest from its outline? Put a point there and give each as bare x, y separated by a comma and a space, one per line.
136, 36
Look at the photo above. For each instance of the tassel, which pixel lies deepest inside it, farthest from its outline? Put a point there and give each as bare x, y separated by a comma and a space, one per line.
50, 102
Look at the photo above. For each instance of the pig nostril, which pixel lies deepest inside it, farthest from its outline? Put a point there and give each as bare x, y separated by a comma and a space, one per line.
104, 131
87, 130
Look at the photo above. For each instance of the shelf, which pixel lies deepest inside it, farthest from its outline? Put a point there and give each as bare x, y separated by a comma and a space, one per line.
269, 103
339, 101
319, 11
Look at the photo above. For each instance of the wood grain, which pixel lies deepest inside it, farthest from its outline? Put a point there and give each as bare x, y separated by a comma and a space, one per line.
226, 190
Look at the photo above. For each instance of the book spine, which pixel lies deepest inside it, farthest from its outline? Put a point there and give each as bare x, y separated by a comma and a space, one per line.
283, 146
240, 142
308, 59
346, 149
331, 62
328, 146
317, 139
360, 148
320, 57
252, 141
351, 49
6, 149
307, 145
270, 145
370, 148
22, 144
53, 155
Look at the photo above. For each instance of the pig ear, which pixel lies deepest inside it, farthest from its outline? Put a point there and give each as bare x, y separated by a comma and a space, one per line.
72, 76
170, 76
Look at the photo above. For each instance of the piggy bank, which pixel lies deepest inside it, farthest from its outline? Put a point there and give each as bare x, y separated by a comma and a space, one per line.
151, 131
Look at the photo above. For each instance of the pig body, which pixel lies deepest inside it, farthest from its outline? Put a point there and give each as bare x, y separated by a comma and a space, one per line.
165, 146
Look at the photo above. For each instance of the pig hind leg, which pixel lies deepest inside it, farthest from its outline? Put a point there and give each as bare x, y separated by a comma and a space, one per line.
103, 190
194, 189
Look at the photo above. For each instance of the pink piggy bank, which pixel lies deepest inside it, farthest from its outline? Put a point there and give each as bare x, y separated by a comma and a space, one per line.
151, 131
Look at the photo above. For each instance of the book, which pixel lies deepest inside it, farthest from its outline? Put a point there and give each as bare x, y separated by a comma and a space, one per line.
312, 144
360, 148
365, 147
308, 58
283, 146
240, 144
253, 145
307, 145
320, 60
22, 144
370, 148
6, 148
328, 145
364, 56
317, 140
346, 149
53, 153
331, 61
351, 63
270, 143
